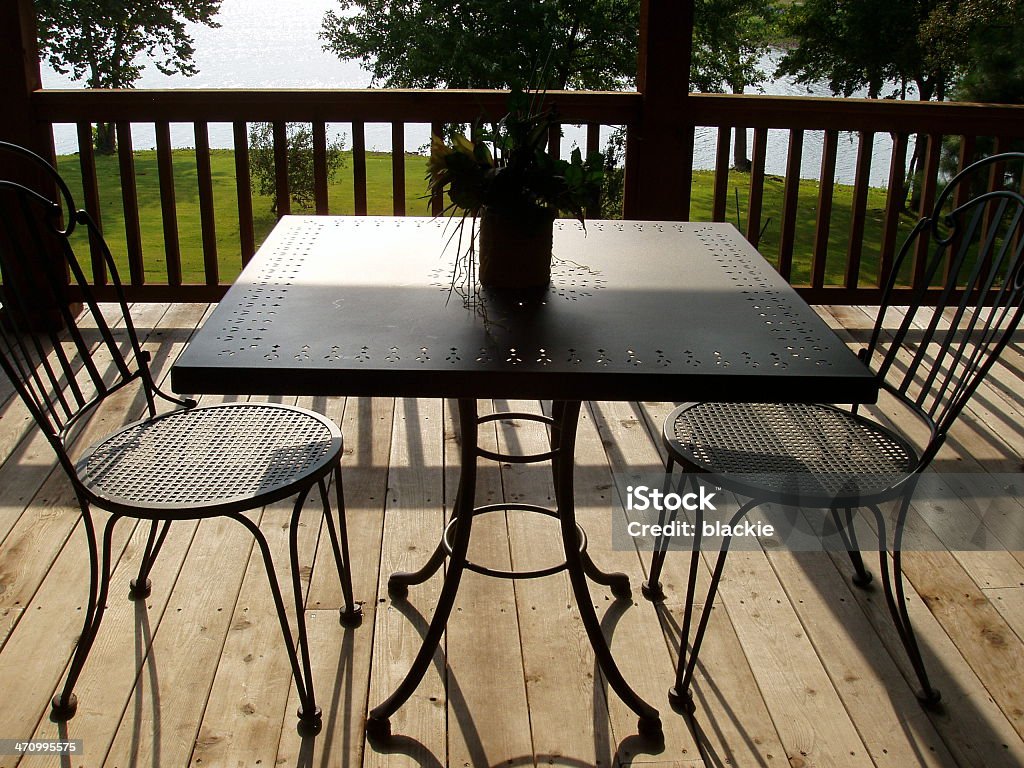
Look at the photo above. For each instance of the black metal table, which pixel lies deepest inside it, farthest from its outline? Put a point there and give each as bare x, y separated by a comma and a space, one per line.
635, 311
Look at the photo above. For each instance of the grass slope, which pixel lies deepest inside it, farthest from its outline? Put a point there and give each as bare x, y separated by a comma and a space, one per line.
379, 202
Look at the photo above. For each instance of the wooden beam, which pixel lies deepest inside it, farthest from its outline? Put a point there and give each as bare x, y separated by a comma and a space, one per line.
19, 61
659, 148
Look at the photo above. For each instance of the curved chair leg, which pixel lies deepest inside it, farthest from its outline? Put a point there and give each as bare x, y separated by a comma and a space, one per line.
679, 695
351, 614
141, 586
847, 532
65, 704
310, 717
895, 599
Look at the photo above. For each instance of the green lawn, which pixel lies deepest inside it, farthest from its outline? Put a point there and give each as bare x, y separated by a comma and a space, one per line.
378, 171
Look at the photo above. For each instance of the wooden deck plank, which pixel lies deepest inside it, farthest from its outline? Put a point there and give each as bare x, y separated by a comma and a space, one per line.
646, 666
731, 729
341, 656
483, 649
108, 679
121, 649
246, 711
162, 718
45, 523
881, 705
970, 619
569, 716
27, 457
970, 723
413, 522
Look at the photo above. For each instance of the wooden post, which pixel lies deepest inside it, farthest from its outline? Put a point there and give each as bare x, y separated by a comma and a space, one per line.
659, 150
19, 61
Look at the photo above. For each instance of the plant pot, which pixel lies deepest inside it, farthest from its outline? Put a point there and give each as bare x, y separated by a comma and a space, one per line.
515, 247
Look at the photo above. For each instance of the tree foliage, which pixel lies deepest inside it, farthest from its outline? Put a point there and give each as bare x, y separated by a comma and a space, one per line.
729, 38
109, 42
871, 44
300, 162
991, 63
488, 43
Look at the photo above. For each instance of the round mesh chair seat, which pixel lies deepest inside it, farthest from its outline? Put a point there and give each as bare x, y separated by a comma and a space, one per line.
792, 453
211, 459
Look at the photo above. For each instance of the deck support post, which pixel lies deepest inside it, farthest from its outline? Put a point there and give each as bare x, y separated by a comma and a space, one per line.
659, 149
19, 61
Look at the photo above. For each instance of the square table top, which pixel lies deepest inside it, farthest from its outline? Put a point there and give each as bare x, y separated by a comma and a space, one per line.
334, 305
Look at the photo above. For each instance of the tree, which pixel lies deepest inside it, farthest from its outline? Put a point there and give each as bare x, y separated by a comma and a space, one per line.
870, 44
488, 43
729, 38
300, 162
991, 67
109, 42
985, 36
880, 45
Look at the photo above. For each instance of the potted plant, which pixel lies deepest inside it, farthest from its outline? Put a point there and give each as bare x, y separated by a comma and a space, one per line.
503, 177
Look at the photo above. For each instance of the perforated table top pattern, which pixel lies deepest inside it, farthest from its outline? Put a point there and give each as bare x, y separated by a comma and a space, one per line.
210, 456
813, 451
636, 310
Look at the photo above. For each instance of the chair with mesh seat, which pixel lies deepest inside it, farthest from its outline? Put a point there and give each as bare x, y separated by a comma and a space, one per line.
969, 254
189, 463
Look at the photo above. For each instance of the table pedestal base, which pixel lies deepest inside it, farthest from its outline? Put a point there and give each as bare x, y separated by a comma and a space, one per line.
455, 545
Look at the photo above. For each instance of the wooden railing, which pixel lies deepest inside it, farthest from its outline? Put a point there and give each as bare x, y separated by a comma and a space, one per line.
853, 275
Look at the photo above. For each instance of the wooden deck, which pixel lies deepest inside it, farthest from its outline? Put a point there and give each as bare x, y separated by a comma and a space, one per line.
799, 667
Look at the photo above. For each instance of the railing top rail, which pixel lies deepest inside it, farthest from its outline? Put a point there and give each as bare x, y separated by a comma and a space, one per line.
338, 105
607, 107
854, 114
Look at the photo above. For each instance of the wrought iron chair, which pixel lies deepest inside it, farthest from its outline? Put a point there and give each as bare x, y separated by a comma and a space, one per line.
821, 457
187, 464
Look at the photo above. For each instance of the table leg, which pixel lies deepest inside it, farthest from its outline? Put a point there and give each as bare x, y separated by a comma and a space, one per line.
567, 416
619, 582
378, 725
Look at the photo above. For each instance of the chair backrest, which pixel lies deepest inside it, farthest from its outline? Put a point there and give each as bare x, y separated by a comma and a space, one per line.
60, 374
972, 249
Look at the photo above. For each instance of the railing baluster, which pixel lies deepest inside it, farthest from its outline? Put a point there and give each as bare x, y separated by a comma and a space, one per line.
398, 167
168, 206
281, 191
130, 201
963, 192
91, 192
243, 187
359, 167
893, 207
320, 167
722, 174
861, 182
995, 179
755, 198
930, 179
555, 141
436, 197
790, 201
593, 145
207, 222
823, 226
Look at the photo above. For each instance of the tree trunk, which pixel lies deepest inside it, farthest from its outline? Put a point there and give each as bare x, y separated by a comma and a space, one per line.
740, 161
104, 138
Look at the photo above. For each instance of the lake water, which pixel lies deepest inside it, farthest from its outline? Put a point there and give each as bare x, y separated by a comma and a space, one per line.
270, 44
